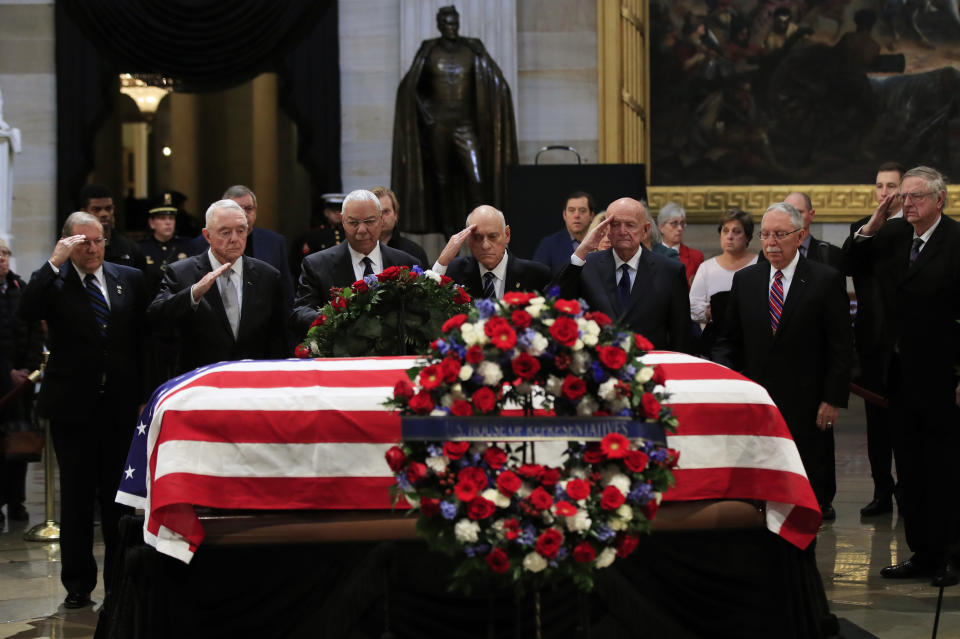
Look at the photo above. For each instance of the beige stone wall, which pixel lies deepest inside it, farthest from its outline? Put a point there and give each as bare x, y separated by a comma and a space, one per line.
29, 103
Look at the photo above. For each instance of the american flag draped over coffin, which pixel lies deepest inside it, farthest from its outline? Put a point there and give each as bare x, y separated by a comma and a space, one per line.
311, 434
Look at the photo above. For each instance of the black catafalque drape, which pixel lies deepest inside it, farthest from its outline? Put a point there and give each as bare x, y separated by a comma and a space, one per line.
207, 45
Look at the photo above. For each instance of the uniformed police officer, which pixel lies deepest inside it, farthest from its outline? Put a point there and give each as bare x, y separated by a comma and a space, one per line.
163, 246
325, 231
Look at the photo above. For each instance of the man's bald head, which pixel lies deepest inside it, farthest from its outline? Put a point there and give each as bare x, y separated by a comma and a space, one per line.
488, 242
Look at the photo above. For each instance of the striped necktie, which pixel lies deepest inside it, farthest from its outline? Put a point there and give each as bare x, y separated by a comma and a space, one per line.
776, 300
98, 303
915, 249
489, 285
367, 266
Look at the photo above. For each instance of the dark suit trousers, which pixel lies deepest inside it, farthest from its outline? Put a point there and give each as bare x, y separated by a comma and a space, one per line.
816, 448
90, 453
925, 441
879, 437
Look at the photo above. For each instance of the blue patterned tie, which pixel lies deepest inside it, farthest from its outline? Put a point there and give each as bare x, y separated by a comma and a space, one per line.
367, 266
98, 303
623, 288
915, 249
489, 285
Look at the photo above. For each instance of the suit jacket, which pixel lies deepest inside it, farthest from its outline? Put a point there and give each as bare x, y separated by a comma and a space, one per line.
83, 366
808, 360
204, 333
267, 246
328, 268
868, 324
522, 275
408, 246
920, 304
659, 306
555, 250
692, 259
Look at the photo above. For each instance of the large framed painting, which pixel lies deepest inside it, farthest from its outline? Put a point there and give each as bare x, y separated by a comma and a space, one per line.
747, 96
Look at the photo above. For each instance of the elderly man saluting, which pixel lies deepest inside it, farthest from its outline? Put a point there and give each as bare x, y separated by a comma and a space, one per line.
646, 291
916, 262
490, 271
226, 305
92, 387
341, 265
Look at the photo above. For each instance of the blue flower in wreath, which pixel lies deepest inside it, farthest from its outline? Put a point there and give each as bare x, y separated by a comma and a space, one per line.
486, 307
448, 510
642, 493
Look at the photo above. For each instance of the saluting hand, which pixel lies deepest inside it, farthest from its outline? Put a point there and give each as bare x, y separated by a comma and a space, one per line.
63, 249
880, 215
452, 248
592, 240
200, 289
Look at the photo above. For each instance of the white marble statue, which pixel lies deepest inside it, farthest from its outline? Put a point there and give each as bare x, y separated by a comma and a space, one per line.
9, 145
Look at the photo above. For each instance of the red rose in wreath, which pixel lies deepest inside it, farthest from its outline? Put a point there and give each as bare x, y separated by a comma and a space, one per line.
498, 561
578, 489
584, 553
565, 331
480, 508
454, 322
526, 366
508, 483
549, 543
612, 498
484, 399
421, 403
573, 388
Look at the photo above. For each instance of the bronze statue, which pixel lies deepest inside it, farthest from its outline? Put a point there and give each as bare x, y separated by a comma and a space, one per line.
453, 132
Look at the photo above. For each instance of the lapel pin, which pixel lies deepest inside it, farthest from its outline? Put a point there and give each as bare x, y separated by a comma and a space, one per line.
119, 290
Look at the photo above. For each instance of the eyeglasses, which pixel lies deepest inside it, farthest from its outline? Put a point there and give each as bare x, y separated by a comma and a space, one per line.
97, 242
676, 223
779, 235
915, 196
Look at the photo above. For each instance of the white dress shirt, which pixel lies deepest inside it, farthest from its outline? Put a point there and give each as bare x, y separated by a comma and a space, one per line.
356, 259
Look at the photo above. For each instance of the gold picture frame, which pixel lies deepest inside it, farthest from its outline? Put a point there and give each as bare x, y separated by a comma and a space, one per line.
623, 61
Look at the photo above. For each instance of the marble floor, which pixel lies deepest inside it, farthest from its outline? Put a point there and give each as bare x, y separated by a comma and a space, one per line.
850, 555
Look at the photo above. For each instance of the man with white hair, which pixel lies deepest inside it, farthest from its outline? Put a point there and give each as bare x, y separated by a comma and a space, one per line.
91, 390
223, 304
491, 270
916, 262
361, 255
788, 329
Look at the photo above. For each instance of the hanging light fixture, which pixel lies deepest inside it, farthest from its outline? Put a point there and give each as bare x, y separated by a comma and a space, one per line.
146, 89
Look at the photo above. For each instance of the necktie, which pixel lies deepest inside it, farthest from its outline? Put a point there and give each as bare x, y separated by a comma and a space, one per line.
231, 304
98, 303
623, 287
367, 266
776, 300
915, 249
489, 285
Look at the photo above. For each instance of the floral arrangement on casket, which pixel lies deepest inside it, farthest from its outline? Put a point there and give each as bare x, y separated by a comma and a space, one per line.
395, 312
530, 523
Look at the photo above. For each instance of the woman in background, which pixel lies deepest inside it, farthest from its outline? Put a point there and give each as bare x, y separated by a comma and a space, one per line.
711, 285
20, 346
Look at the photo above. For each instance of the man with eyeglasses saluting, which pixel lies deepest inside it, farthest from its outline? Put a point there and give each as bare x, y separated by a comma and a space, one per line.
91, 388
788, 329
916, 261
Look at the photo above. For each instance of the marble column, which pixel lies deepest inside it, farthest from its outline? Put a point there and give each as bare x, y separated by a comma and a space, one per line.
9, 146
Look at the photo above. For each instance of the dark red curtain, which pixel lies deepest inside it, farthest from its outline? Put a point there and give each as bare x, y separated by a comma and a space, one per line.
207, 45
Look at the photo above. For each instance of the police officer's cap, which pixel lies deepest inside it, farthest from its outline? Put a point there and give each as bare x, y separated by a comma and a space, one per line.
168, 203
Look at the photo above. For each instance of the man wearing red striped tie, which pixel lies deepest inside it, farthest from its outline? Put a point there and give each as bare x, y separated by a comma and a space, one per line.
788, 329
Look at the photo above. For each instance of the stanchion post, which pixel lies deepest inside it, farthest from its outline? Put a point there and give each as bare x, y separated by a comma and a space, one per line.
49, 530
